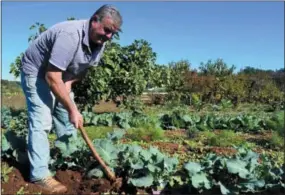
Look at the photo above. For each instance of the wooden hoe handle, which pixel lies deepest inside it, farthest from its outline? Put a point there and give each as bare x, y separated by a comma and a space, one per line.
107, 170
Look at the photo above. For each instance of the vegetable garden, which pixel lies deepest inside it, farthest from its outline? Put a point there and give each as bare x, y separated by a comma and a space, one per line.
212, 131
168, 153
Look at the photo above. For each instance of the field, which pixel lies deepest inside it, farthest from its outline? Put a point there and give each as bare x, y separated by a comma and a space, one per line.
209, 130
165, 149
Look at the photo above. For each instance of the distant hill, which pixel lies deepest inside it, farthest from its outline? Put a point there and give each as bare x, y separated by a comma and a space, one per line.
10, 87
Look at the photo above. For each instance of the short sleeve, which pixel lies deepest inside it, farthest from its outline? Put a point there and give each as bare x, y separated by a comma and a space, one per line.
63, 50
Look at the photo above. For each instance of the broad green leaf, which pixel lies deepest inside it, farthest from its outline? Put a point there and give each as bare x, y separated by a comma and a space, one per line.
192, 168
106, 150
170, 164
252, 185
95, 173
223, 189
5, 144
200, 180
137, 165
237, 167
152, 168
117, 134
68, 144
146, 155
145, 181
187, 119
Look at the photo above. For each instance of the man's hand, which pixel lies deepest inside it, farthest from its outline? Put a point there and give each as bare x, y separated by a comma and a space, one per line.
61, 91
76, 118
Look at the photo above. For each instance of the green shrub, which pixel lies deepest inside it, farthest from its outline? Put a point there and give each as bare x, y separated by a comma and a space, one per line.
276, 140
146, 133
276, 123
225, 138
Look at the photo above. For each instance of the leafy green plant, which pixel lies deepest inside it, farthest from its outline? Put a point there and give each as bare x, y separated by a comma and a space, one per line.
239, 174
143, 168
21, 191
124, 71
145, 134
276, 123
277, 141
225, 138
5, 170
14, 146
204, 136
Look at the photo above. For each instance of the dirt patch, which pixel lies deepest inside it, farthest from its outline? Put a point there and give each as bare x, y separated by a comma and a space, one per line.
103, 107
17, 181
176, 133
19, 178
14, 101
260, 135
73, 180
170, 148
223, 151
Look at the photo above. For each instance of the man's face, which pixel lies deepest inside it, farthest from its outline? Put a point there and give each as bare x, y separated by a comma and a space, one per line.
102, 31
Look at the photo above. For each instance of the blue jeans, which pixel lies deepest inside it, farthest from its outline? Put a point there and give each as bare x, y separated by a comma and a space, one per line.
44, 111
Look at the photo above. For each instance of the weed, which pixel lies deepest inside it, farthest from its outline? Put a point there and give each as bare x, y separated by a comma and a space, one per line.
5, 170
225, 138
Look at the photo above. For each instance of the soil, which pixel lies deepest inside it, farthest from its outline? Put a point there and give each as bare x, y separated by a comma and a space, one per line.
170, 148
73, 180
14, 101
104, 106
177, 133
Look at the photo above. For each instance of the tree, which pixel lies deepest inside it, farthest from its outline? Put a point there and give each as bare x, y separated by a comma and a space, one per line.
122, 72
218, 68
160, 76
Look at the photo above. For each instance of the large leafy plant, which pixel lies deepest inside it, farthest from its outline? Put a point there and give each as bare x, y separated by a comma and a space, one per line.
242, 173
122, 72
142, 168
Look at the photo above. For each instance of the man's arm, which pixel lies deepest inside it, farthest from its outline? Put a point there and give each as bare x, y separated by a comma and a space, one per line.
54, 80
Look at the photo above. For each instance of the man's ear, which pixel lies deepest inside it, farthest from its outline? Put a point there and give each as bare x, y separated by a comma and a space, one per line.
95, 18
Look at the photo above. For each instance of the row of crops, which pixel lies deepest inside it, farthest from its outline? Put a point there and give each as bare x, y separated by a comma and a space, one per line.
149, 168
176, 119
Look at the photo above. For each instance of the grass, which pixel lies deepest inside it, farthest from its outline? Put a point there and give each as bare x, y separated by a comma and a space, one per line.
276, 141
145, 134
225, 138
97, 132
93, 132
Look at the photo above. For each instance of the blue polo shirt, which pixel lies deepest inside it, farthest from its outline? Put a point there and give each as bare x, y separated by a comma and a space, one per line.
66, 46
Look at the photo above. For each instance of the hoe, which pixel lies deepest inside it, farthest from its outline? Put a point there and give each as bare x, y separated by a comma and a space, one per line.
116, 182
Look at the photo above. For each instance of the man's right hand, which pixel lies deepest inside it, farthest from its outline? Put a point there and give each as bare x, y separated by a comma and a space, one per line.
76, 118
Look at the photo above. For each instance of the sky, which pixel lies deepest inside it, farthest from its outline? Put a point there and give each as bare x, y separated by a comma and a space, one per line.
241, 33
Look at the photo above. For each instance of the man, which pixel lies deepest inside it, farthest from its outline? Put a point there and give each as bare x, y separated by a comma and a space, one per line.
58, 57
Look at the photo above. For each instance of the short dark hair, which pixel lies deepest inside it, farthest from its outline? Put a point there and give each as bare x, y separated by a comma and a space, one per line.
109, 11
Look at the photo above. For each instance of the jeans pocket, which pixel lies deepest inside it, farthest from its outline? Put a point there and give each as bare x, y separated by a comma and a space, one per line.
31, 82
28, 81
